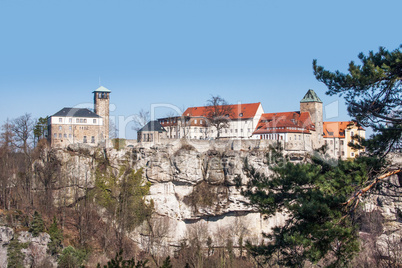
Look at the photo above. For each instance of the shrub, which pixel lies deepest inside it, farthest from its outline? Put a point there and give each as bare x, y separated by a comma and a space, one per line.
56, 238
15, 258
72, 257
37, 225
119, 144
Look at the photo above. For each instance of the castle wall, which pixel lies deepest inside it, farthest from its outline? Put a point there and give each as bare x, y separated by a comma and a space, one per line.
61, 135
316, 114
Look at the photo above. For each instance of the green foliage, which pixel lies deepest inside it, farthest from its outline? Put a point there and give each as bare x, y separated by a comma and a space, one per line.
204, 195
118, 262
124, 197
72, 257
167, 263
312, 195
373, 94
37, 225
40, 128
119, 144
56, 238
15, 258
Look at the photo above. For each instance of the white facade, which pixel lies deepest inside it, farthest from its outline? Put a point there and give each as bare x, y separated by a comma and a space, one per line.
89, 121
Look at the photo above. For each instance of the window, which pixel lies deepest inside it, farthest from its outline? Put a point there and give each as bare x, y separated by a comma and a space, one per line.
195, 121
299, 137
59, 135
59, 127
352, 154
240, 114
236, 130
85, 139
241, 130
343, 153
226, 131
85, 120
93, 139
94, 121
70, 128
55, 135
331, 142
341, 142
77, 120
248, 130
351, 134
70, 120
60, 120
201, 121
65, 135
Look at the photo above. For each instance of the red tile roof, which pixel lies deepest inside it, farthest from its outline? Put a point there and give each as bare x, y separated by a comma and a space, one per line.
240, 111
337, 129
287, 122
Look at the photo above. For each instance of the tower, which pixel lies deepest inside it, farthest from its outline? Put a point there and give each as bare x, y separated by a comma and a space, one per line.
311, 103
101, 108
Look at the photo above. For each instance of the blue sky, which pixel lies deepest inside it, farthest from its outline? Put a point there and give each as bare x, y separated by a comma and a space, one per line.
181, 52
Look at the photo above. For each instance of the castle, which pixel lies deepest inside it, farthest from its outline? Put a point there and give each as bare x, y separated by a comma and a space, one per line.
80, 125
302, 130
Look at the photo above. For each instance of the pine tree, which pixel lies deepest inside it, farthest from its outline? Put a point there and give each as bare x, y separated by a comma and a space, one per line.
56, 238
37, 225
313, 196
373, 94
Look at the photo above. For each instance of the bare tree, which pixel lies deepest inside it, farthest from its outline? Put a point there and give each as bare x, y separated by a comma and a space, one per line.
113, 131
218, 113
47, 172
141, 119
7, 136
6, 163
23, 127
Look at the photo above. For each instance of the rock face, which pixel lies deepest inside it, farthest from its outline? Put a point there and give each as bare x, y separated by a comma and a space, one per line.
192, 184
6, 234
35, 249
193, 188
387, 201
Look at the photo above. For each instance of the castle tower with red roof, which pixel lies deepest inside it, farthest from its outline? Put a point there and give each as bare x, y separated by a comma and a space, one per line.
312, 104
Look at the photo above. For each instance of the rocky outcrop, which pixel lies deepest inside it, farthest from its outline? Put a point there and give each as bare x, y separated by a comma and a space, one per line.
6, 234
34, 249
193, 185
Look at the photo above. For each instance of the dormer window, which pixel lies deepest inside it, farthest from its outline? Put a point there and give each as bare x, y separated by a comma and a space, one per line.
241, 114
